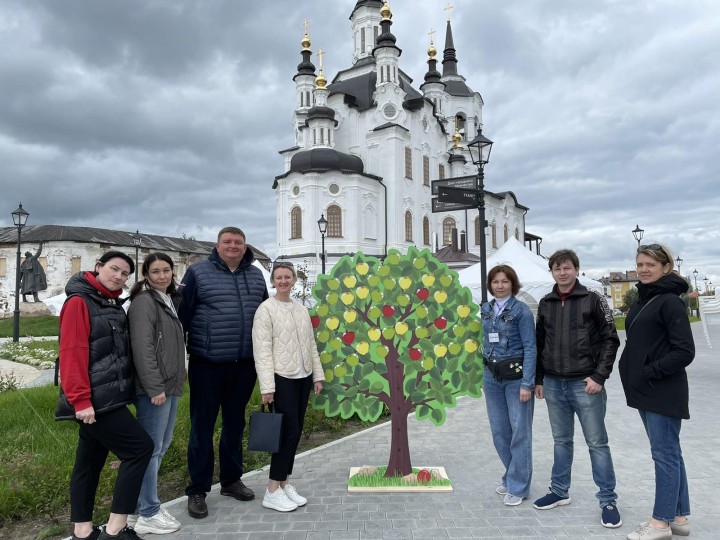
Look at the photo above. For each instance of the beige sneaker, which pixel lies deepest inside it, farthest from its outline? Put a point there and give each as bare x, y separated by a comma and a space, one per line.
647, 531
680, 529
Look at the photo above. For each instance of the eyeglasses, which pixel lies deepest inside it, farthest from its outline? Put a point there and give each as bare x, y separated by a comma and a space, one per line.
653, 247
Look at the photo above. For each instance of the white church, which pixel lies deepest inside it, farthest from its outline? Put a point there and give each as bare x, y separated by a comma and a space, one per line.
368, 145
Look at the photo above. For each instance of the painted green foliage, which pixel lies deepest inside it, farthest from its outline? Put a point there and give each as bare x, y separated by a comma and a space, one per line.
401, 333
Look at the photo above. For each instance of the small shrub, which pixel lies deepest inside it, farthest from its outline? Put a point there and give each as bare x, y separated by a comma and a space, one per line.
8, 382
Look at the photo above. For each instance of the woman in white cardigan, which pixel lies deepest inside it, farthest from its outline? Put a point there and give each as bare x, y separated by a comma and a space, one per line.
288, 367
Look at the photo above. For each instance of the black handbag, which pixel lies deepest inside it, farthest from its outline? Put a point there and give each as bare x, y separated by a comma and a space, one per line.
265, 430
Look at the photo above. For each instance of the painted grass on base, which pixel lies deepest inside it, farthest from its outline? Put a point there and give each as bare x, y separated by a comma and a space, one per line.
377, 479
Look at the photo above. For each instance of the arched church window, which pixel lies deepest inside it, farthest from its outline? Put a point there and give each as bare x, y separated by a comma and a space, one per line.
448, 226
296, 222
334, 217
494, 234
517, 234
460, 125
426, 231
505, 232
408, 227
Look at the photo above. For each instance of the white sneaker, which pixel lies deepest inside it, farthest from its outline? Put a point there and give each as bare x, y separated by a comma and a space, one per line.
294, 496
132, 520
501, 490
160, 523
512, 500
278, 501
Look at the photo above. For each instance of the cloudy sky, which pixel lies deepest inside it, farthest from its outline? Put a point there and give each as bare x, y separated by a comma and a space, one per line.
167, 115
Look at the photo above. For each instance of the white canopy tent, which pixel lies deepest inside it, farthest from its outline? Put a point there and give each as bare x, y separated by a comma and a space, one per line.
535, 277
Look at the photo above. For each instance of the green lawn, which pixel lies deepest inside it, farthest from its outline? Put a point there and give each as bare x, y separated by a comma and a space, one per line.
37, 455
44, 325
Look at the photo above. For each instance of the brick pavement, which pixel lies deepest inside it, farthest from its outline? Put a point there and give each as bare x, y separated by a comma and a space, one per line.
464, 447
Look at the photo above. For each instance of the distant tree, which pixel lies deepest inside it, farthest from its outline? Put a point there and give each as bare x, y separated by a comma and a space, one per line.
629, 298
401, 334
303, 287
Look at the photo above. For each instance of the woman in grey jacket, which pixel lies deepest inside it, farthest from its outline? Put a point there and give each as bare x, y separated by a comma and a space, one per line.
158, 348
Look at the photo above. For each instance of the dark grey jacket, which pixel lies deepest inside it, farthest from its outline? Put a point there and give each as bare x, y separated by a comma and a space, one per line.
158, 348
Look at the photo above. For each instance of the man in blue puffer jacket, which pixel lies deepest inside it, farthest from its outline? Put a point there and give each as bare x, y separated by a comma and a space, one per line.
219, 298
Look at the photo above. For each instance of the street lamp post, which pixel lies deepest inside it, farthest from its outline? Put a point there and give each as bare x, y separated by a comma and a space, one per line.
705, 279
480, 148
697, 300
678, 263
137, 242
638, 234
20, 217
322, 225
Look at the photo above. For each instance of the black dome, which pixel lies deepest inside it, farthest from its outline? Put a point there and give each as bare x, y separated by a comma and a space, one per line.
325, 158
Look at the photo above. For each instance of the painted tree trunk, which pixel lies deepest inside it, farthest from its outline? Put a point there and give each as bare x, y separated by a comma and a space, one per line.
399, 464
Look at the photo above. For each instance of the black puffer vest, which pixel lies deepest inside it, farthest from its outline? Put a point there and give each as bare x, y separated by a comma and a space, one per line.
110, 366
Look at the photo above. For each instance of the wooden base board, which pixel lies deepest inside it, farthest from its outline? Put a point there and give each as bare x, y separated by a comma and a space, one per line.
410, 488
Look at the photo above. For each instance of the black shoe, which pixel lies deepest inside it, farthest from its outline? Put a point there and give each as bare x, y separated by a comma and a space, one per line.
196, 506
238, 490
96, 530
125, 533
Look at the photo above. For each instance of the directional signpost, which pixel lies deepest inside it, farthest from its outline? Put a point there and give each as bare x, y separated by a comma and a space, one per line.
455, 194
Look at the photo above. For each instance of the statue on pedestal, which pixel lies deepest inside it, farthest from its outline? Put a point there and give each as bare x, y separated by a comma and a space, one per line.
32, 275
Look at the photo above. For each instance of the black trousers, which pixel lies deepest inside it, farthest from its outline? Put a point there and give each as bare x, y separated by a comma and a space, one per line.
118, 432
212, 387
291, 399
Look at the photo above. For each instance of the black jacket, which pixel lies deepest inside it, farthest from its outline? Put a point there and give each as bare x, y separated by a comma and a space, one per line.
576, 338
110, 366
659, 346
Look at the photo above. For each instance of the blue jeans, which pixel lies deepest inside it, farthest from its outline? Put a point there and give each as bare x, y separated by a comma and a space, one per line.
511, 426
671, 487
564, 400
159, 422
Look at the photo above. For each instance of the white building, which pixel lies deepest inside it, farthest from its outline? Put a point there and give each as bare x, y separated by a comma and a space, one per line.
368, 145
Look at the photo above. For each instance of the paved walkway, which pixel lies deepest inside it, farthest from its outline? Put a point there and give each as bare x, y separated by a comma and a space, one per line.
464, 447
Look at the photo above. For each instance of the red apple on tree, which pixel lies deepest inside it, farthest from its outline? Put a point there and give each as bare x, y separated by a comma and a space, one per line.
315, 320
440, 323
348, 337
423, 294
388, 311
415, 354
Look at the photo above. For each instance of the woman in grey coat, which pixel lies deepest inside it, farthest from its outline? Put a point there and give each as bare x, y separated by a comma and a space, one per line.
158, 351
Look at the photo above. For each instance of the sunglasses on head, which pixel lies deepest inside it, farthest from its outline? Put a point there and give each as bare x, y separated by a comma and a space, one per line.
653, 247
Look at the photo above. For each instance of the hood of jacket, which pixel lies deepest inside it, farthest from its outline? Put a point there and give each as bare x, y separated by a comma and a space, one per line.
670, 283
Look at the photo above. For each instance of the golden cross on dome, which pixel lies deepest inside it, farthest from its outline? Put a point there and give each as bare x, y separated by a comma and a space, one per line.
449, 9
431, 33
305, 25
320, 54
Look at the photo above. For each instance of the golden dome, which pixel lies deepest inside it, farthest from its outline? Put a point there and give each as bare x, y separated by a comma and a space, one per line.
320, 80
385, 11
305, 42
432, 52
456, 139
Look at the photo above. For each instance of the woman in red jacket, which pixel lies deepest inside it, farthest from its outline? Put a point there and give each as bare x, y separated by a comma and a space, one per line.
97, 384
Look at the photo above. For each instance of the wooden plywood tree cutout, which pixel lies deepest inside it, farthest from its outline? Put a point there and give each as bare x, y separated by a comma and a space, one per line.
403, 334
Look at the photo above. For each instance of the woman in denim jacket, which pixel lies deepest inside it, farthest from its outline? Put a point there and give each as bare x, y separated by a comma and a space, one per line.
508, 379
